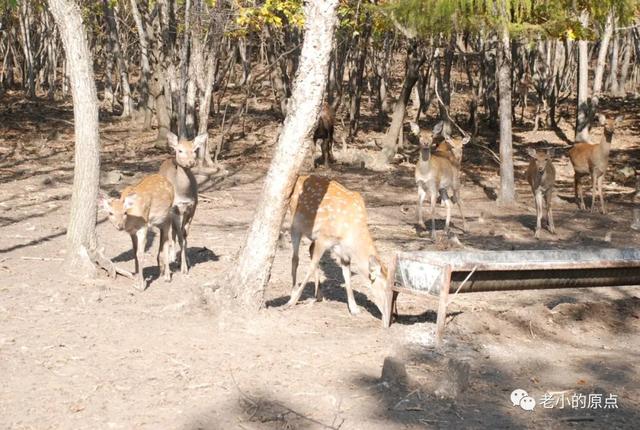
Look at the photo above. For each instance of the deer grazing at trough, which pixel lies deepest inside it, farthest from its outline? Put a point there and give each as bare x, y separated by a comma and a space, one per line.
178, 171
541, 175
335, 218
438, 172
147, 204
324, 132
590, 159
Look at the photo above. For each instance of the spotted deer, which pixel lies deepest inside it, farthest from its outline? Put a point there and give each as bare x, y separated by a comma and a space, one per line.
590, 159
324, 132
147, 204
335, 218
178, 171
438, 172
541, 176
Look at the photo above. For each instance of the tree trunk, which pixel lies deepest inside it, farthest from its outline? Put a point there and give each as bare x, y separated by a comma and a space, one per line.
583, 116
145, 100
624, 70
390, 141
204, 109
25, 32
123, 69
602, 57
507, 194
81, 233
613, 73
251, 275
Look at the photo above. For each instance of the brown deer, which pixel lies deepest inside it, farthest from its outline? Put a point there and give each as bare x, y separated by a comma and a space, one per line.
523, 86
178, 171
147, 204
590, 159
438, 172
335, 218
541, 175
324, 132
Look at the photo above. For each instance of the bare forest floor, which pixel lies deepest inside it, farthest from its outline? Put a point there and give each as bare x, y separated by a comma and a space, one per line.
99, 354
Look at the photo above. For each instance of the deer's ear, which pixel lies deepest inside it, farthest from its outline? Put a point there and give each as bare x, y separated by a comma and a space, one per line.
375, 268
200, 140
130, 201
172, 139
437, 129
531, 152
415, 128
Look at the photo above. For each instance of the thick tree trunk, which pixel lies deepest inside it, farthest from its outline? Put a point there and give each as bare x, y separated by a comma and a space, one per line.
583, 117
145, 101
624, 70
204, 110
123, 69
390, 141
251, 275
507, 194
81, 233
613, 73
602, 56
357, 79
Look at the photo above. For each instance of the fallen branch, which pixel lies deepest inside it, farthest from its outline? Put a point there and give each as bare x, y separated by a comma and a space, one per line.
103, 262
255, 403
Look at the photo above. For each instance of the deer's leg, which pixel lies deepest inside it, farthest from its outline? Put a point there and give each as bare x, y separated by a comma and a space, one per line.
447, 202
296, 292
164, 250
142, 240
456, 195
295, 243
421, 195
600, 183
330, 138
351, 301
578, 191
314, 153
325, 151
548, 198
316, 275
433, 214
185, 223
538, 199
134, 242
594, 191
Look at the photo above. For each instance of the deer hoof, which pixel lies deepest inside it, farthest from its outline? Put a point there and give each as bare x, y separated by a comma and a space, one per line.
354, 310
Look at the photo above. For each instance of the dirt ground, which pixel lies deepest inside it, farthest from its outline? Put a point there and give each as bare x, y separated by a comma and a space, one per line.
99, 354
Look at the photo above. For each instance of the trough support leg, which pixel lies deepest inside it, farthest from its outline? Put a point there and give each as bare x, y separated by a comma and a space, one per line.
442, 306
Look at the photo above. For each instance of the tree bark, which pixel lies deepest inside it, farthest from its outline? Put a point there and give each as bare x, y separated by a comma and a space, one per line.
613, 72
507, 194
583, 116
145, 101
81, 233
602, 56
390, 141
624, 70
251, 275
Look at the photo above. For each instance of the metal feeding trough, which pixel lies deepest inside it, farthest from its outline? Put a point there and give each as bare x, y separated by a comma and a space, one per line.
453, 272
